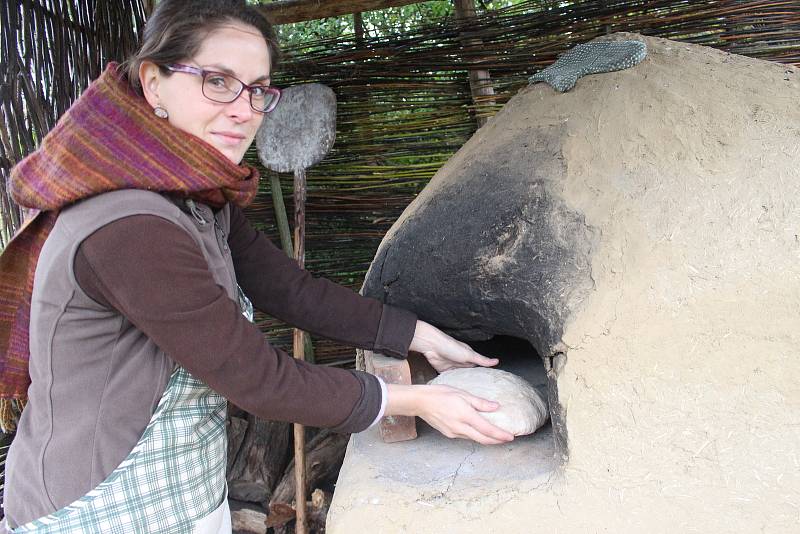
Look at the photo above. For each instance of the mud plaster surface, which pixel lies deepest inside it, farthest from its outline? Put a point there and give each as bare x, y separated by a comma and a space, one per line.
681, 386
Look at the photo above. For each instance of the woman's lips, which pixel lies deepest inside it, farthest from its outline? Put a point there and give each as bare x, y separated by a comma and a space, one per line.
228, 138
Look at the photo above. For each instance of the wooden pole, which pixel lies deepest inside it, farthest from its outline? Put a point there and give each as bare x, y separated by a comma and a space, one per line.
282, 220
358, 27
288, 11
480, 81
301, 526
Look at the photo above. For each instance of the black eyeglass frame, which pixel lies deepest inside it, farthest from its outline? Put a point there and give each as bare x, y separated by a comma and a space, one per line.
188, 69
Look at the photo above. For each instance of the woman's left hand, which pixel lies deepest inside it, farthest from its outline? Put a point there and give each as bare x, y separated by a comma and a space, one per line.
443, 352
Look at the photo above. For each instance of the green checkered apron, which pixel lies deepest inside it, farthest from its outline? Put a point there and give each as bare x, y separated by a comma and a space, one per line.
172, 479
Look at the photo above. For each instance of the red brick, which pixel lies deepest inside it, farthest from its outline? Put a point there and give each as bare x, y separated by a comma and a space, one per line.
393, 371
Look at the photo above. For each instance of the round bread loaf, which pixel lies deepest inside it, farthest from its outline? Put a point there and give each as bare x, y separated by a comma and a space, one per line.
522, 408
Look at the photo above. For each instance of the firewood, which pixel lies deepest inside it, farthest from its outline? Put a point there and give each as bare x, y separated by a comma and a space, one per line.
261, 460
236, 431
281, 515
325, 454
320, 499
249, 521
324, 457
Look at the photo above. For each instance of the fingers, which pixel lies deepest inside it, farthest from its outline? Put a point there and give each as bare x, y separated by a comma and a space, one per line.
483, 361
483, 405
446, 366
455, 413
485, 428
481, 427
475, 435
476, 358
471, 360
457, 354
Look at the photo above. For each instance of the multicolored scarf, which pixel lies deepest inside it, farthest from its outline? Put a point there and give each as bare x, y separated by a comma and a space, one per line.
109, 139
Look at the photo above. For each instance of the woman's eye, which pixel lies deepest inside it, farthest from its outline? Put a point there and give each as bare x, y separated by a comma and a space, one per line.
259, 91
216, 81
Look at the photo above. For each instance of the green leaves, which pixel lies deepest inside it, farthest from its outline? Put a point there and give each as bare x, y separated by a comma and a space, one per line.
382, 23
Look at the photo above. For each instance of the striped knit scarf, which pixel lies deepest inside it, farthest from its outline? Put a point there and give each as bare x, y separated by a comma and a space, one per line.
109, 139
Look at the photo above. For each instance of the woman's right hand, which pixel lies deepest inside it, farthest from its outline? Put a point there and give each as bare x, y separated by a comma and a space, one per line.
451, 411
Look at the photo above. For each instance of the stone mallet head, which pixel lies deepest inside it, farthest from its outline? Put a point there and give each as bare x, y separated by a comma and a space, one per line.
300, 131
297, 134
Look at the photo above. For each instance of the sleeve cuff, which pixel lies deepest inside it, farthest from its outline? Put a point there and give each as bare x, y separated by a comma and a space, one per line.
395, 331
384, 398
372, 401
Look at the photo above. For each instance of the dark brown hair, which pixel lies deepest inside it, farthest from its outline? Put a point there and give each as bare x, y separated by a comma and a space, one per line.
176, 30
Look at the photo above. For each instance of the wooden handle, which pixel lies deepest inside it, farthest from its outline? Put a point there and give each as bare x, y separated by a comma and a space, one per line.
301, 527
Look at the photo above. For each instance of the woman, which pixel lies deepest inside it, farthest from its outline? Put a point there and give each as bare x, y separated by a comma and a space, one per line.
135, 333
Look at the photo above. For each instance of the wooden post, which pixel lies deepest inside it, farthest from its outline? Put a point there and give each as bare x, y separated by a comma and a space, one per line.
301, 526
358, 23
282, 220
480, 82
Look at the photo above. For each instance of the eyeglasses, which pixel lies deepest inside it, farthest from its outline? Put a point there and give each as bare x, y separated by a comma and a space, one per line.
224, 88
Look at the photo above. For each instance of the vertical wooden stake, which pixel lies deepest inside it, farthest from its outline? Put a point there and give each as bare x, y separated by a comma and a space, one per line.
282, 220
280, 215
358, 27
480, 82
299, 432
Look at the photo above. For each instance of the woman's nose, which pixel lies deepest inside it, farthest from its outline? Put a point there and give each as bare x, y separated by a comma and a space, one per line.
240, 107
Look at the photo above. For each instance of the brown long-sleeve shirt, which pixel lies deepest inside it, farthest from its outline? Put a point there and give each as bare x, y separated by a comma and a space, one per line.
152, 272
118, 303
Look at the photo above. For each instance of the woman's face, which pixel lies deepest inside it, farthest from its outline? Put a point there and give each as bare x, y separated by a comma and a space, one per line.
236, 49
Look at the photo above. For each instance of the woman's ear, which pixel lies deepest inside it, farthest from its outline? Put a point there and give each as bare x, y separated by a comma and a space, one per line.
149, 77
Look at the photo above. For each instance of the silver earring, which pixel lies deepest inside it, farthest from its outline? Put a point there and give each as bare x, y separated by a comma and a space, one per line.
160, 112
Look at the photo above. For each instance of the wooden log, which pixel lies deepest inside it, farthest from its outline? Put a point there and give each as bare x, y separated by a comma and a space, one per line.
288, 11
324, 457
247, 521
280, 520
318, 510
237, 427
261, 460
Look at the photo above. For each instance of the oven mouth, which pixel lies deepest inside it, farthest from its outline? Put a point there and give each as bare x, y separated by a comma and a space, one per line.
518, 356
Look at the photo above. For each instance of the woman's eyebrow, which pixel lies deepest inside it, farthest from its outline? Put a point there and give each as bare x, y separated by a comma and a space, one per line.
222, 68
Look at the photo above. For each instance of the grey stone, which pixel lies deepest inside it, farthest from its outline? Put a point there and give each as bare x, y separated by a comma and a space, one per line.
300, 131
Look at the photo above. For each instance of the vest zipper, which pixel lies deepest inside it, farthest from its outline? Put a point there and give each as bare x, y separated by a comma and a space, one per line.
222, 242
222, 239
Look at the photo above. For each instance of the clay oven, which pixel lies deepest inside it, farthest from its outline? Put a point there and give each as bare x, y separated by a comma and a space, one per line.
637, 237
